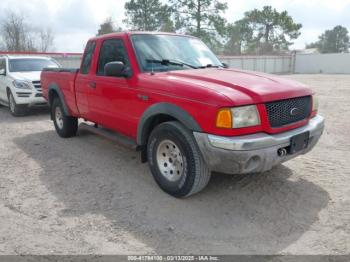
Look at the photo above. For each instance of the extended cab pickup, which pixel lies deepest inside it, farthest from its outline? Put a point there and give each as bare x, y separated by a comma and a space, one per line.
171, 98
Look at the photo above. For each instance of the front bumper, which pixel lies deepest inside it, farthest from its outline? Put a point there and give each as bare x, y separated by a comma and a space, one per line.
254, 153
29, 98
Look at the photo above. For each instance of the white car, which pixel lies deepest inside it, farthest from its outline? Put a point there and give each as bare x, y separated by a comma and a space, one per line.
20, 86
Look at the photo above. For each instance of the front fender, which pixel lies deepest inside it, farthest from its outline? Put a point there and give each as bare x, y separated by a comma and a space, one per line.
164, 109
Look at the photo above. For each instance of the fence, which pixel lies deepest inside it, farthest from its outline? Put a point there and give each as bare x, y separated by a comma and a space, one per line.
322, 64
71, 60
287, 64
267, 64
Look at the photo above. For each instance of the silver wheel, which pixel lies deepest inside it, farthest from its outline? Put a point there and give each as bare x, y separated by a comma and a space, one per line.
59, 117
170, 160
12, 103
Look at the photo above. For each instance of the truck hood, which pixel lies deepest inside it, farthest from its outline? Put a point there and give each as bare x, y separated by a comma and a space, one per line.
28, 76
243, 87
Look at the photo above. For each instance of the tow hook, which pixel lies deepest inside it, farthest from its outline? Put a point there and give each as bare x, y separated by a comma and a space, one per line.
282, 152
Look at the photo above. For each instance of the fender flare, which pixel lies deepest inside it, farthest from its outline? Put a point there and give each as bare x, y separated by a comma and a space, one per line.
55, 88
164, 109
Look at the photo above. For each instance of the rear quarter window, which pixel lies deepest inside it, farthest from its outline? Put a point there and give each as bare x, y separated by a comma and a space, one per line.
87, 59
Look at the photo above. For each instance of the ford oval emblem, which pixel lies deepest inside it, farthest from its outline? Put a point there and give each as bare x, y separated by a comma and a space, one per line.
295, 111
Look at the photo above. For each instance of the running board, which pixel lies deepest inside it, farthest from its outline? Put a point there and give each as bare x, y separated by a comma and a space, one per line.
110, 135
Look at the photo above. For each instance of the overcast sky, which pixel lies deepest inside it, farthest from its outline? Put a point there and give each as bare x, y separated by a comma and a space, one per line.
75, 21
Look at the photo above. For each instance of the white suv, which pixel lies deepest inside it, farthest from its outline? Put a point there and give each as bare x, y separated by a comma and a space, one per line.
20, 86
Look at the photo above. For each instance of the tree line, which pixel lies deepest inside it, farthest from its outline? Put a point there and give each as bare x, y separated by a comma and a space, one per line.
264, 31
260, 31
16, 34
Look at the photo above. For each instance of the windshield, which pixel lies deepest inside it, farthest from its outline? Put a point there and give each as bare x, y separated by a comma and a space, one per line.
30, 65
171, 52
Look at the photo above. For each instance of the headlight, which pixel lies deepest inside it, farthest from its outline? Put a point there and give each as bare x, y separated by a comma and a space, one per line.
245, 116
238, 117
22, 84
314, 103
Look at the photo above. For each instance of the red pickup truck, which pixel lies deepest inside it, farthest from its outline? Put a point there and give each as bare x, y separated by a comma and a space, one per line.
170, 97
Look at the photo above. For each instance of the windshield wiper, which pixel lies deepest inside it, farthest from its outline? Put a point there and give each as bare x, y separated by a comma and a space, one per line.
210, 66
170, 62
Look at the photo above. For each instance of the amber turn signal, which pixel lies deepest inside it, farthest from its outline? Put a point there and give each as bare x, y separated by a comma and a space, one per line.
224, 118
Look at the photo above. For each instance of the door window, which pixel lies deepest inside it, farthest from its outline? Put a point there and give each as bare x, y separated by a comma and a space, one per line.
112, 50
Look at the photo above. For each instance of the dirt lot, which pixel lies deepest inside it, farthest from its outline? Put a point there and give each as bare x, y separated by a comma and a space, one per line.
87, 195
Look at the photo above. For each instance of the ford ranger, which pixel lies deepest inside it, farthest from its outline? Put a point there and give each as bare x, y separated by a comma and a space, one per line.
20, 82
170, 97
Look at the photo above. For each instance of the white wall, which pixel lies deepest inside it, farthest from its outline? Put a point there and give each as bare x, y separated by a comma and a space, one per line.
322, 64
300, 64
69, 62
267, 64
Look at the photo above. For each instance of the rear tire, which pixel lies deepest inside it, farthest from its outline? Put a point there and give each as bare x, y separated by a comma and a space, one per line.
175, 160
15, 109
66, 126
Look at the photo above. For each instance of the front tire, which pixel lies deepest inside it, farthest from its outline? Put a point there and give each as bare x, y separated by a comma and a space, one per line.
176, 161
15, 109
66, 126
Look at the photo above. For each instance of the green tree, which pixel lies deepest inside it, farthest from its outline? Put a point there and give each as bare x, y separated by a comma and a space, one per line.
273, 31
333, 41
201, 18
108, 27
148, 15
239, 35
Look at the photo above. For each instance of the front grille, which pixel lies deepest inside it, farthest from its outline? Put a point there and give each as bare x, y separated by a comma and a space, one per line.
37, 86
285, 112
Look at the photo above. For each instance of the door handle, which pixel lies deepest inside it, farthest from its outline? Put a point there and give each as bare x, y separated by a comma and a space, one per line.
92, 85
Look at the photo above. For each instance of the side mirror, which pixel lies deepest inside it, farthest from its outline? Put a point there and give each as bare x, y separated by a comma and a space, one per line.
117, 69
2, 72
225, 65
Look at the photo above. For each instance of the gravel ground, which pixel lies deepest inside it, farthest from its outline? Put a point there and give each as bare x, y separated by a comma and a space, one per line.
86, 195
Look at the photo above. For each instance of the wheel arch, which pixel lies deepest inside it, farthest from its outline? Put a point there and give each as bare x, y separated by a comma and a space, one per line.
8, 92
163, 112
53, 92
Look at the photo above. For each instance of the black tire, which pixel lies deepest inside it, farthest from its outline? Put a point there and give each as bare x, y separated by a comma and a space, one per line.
194, 175
15, 109
67, 126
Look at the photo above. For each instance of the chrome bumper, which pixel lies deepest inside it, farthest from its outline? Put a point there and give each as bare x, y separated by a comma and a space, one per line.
253, 153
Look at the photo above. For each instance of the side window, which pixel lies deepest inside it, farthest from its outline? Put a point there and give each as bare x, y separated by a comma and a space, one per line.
112, 50
87, 59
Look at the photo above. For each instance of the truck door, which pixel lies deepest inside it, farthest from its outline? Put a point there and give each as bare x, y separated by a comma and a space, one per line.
111, 95
84, 83
3, 96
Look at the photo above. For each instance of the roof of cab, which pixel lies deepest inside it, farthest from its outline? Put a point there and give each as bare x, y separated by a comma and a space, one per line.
129, 33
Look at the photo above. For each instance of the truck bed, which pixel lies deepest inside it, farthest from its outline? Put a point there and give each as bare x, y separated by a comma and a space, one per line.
64, 80
62, 70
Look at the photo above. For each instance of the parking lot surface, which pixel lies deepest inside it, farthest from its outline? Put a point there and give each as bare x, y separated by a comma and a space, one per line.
87, 195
